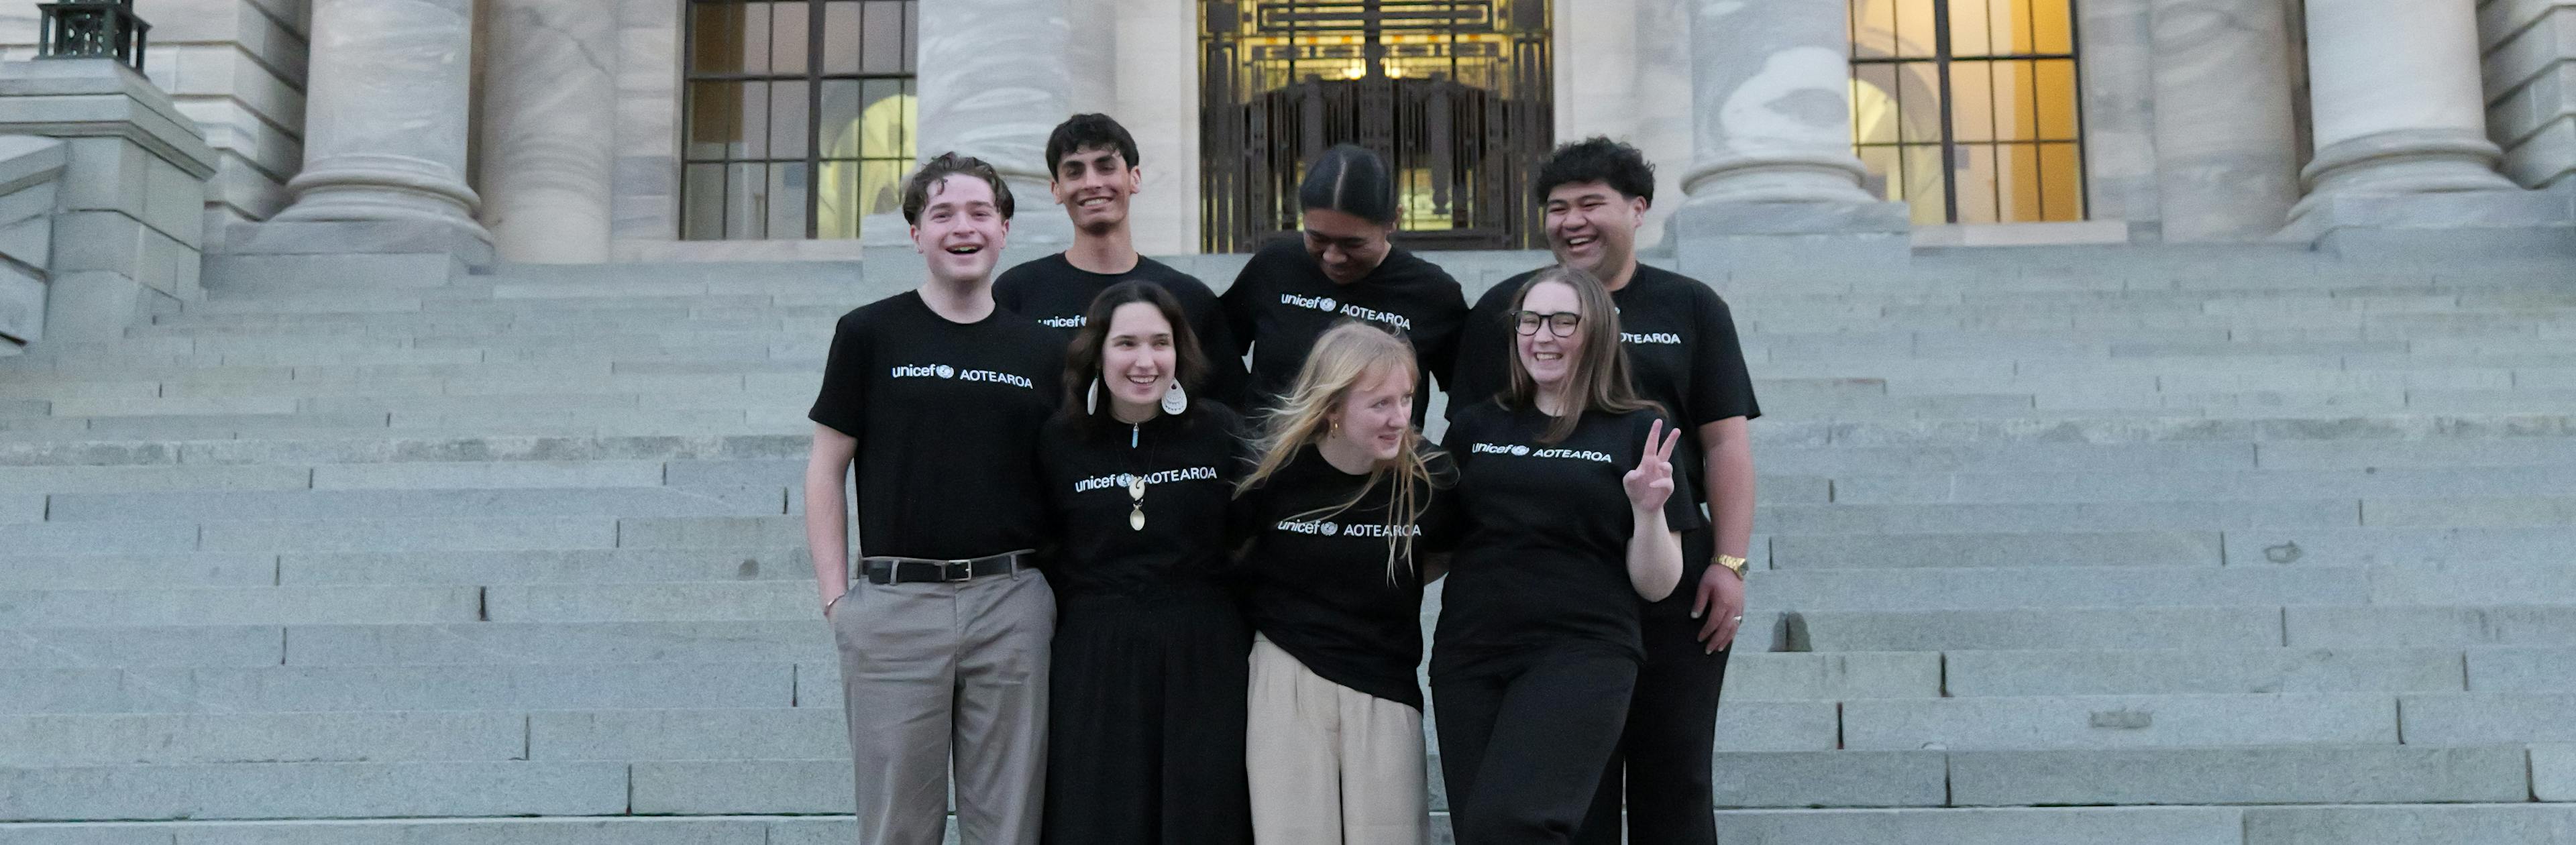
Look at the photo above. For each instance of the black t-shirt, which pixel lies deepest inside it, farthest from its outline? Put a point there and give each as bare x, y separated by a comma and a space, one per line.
1318, 576
1189, 462
946, 416
1282, 301
1058, 295
1682, 353
1544, 558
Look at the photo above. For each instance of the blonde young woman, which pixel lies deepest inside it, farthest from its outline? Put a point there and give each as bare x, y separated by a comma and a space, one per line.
1343, 520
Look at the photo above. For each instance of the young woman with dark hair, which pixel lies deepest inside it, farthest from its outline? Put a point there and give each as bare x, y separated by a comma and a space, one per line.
1572, 513
1147, 708
1342, 266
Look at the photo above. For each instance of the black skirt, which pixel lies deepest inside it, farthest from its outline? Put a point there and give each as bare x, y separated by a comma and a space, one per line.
1146, 711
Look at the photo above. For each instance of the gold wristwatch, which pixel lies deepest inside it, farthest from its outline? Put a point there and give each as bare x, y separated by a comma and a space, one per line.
1733, 564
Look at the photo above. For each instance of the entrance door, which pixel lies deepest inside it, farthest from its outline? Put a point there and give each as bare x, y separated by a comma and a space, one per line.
1456, 95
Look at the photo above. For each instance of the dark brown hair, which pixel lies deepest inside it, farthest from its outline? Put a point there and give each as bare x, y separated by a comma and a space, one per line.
917, 190
1082, 359
1599, 380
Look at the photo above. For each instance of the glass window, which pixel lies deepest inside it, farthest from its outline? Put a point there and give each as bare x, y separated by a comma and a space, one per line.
1968, 110
798, 116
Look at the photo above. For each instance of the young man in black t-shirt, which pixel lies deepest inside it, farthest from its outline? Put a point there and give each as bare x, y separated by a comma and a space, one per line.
1094, 174
1682, 347
935, 397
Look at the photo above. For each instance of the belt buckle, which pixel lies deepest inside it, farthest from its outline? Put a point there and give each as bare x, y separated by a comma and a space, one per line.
954, 571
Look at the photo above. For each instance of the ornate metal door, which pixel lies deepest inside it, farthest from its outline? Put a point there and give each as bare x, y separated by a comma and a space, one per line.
1456, 95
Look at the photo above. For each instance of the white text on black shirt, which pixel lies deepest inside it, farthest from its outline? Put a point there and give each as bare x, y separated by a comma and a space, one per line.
1331, 529
945, 371
1326, 303
1103, 482
1520, 451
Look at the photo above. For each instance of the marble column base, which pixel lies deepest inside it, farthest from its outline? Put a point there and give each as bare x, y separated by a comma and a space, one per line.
284, 236
382, 187
2402, 227
2415, 161
1714, 237
1785, 177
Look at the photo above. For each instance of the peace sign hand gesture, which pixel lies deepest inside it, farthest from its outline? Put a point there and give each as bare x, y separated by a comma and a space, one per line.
1652, 481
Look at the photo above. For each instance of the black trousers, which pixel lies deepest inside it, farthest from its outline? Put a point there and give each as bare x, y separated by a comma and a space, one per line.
1672, 728
1523, 740
1146, 721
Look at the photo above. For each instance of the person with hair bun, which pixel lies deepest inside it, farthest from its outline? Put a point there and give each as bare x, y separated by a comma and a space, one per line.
1341, 266
1147, 707
1343, 517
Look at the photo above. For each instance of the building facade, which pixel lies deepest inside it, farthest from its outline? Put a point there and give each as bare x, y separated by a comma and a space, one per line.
637, 130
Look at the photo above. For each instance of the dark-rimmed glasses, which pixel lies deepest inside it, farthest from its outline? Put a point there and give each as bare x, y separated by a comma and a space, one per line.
1559, 323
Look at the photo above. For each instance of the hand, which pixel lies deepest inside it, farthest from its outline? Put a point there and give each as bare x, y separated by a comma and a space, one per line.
1720, 603
1652, 481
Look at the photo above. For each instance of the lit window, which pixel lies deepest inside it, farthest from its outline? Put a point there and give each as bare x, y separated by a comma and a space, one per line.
1967, 110
799, 116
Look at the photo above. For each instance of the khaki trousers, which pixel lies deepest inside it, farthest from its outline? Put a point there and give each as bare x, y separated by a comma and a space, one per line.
1330, 765
931, 667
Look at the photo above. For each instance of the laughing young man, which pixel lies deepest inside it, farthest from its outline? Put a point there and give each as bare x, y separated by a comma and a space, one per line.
935, 397
1094, 173
1683, 353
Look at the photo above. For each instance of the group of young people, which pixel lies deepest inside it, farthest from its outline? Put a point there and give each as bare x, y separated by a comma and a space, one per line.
1123, 587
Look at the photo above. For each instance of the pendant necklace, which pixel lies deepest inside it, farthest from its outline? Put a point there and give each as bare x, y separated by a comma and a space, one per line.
1135, 484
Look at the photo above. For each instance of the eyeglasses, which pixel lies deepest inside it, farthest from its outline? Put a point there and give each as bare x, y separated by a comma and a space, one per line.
1561, 323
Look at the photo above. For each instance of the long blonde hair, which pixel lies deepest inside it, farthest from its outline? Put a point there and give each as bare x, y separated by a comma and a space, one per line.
1599, 380
1343, 358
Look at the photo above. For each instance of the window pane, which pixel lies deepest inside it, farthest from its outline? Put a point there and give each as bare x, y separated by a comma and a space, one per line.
841, 36
2022, 189
727, 120
1873, 28
787, 46
885, 119
787, 187
729, 38
838, 121
1924, 184
883, 34
881, 186
1918, 100
2016, 101
1976, 183
703, 217
2056, 81
2061, 172
1875, 115
2011, 22
1916, 30
837, 206
1884, 175
2054, 25
911, 36
1972, 100
787, 119
746, 195
1969, 27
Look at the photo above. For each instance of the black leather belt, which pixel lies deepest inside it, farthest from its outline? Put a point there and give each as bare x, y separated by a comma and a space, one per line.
908, 570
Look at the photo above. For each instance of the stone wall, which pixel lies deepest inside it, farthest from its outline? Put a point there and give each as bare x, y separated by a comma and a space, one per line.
236, 68
2530, 58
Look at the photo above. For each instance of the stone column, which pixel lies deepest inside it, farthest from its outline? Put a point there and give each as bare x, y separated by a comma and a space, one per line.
2397, 100
2226, 143
1772, 168
995, 77
549, 99
386, 117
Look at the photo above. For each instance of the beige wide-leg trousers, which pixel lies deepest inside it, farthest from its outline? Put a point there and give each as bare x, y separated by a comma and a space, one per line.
1330, 765
927, 667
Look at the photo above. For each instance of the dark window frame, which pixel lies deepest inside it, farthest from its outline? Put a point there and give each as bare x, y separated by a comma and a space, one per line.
812, 77
1941, 59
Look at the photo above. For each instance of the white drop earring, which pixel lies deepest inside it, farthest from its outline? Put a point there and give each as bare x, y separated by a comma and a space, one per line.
1091, 398
1175, 401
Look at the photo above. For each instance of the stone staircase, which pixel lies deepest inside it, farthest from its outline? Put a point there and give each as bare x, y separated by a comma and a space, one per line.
2104, 544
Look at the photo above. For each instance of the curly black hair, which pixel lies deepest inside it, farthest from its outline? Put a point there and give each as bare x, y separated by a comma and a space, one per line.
916, 190
1092, 131
1597, 159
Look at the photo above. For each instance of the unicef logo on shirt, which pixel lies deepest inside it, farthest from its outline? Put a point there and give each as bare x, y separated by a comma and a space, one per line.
1126, 480
946, 371
1519, 451
1330, 529
1328, 304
